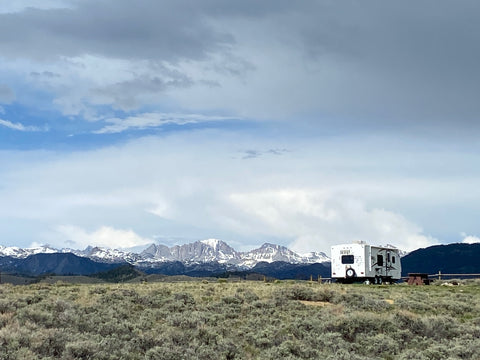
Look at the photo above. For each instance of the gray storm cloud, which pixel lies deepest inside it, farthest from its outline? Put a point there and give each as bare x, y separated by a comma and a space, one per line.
165, 31
345, 65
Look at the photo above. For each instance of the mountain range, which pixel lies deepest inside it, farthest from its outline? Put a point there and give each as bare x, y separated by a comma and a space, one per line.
157, 256
216, 258
448, 259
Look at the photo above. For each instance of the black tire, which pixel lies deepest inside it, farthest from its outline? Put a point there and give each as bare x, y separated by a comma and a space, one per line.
350, 273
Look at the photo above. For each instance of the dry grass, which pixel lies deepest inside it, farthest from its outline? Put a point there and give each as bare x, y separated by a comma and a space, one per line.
315, 303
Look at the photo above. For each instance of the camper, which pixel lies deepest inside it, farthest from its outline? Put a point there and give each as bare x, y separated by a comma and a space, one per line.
361, 262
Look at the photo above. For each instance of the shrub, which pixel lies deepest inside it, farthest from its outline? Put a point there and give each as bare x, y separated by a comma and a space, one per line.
326, 294
81, 349
12, 339
98, 290
248, 320
185, 298
440, 327
250, 296
361, 324
294, 293
232, 300
49, 342
6, 306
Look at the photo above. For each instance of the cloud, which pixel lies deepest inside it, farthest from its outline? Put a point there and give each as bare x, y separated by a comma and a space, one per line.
7, 95
18, 126
336, 66
44, 74
130, 94
154, 120
195, 185
110, 53
470, 239
170, 30
21, 5
356, 67
105, 236
252, 154
311, 217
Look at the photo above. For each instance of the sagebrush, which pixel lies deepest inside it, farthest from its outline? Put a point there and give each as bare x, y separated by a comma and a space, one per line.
242, 320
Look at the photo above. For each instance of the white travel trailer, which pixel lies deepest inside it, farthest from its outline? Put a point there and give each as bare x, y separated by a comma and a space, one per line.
362, 262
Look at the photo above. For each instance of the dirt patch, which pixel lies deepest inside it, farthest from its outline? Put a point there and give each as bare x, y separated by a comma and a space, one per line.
390, 301
315, 303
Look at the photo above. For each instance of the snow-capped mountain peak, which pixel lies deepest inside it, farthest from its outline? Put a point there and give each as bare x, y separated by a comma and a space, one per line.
270, 253
17, 252
106, 254
203, 251
315, 257
211, 242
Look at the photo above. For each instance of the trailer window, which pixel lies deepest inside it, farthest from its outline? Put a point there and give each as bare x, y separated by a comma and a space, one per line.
380, 260
393, 259
347, 259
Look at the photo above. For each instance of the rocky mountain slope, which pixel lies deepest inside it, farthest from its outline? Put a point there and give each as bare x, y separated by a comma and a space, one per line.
199, 252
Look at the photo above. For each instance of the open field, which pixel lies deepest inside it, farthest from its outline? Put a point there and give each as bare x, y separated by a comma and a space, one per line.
241, 320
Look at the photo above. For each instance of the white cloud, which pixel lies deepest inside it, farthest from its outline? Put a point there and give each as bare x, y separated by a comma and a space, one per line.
154, 120
315, 219
20, 5
18, 126
196, 185
105, 236
470, 239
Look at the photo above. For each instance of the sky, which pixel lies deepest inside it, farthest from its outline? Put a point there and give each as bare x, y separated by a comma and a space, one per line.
305, 124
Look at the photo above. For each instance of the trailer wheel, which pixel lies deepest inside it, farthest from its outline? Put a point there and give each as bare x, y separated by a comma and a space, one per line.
350, 273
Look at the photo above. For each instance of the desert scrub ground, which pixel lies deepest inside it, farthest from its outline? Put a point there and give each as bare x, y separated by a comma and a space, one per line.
242, 320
